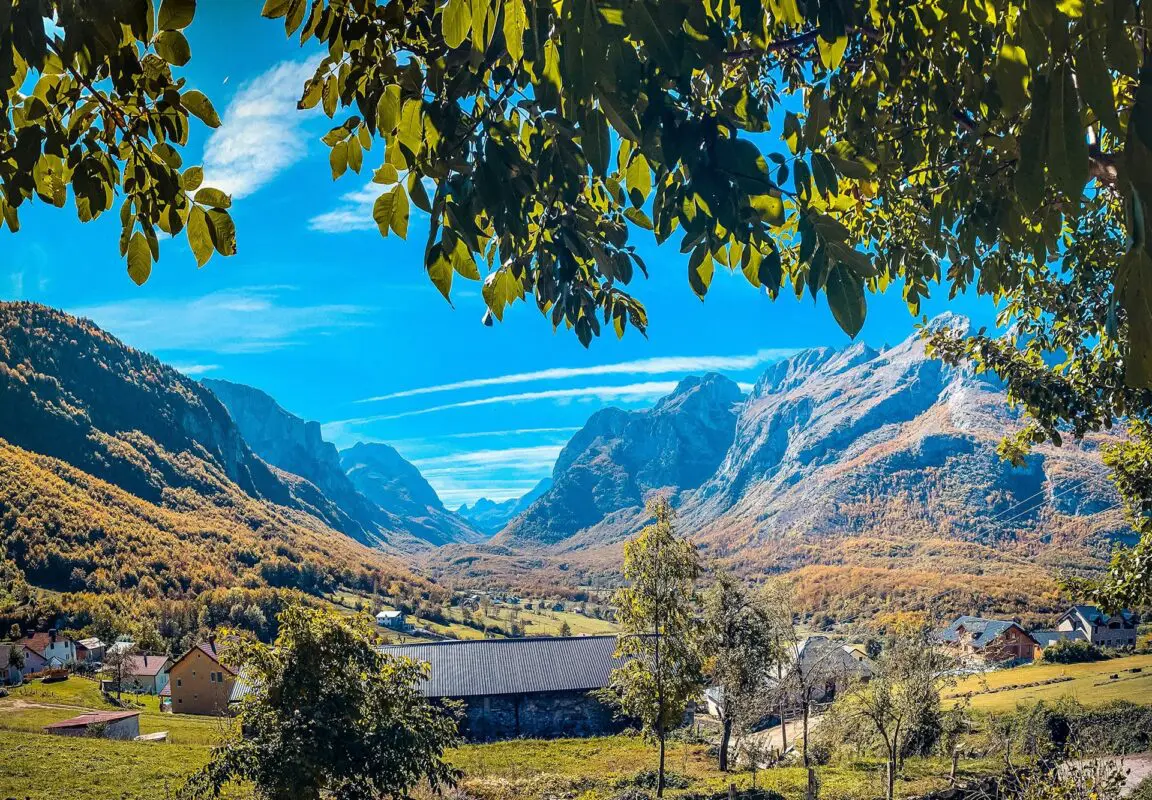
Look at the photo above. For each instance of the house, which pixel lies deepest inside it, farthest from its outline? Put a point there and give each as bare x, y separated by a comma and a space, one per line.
57, 651
90, 650
1100, 629
199, 682
122, 644
10, 674
990, 640
393, 621
536, 688
33, 661
110, 724
145, 674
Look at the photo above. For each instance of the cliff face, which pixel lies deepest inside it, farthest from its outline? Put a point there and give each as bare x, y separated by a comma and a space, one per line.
490, 517
619, 458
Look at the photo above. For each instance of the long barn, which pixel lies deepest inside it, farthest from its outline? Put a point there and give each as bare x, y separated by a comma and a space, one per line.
531, 688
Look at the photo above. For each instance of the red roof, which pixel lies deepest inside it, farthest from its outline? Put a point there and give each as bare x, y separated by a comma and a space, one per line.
147, 666
39, 642
95, 718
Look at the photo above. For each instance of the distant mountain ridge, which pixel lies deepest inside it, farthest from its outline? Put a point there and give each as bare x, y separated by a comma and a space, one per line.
119, 473
873, 473
373, 494
620, 457
394, 484
489, 516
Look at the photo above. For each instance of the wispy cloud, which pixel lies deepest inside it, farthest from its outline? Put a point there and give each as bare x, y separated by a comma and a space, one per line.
247, 320
353, 214
648, 366
262, 132
519, 457
649, 390
192, 370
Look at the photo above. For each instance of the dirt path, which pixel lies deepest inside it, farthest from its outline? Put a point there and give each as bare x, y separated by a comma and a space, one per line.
17, 704
773, 738
1138, 766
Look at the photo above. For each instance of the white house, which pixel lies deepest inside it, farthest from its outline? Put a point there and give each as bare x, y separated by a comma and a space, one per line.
145, 674
56, 651
392, 620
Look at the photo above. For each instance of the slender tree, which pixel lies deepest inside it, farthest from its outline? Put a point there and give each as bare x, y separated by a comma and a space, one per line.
659, 636
905, 685
740, 653
328, 715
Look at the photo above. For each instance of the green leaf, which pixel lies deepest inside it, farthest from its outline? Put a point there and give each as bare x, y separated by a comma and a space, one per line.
199, 237
831, 53
382, 211
175, 14
388, 109
1095, 81
463, 262
1135, 280
596, 141
456, 22
769, 207
213, 197
274, 9
846, 299
223, 231
1011, 73
192, 178
745, 163
623, 119
338, 159
386, 174
400, 212
1067, 142
638, 217
515, 25
139, 258
1029, 178
173, 48
439, 270
700, 269
196, 102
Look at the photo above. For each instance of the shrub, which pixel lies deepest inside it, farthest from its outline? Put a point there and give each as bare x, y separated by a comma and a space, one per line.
1068, 651
648, 778
1143, 791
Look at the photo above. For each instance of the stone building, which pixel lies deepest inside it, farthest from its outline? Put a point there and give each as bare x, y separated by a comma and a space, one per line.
531, 688
990, 641
1102, 630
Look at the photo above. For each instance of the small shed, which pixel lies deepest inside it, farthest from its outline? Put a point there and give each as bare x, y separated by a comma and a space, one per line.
110, 724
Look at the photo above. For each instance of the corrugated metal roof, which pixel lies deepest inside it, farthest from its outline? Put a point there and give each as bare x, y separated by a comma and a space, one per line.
513, 666
84, 720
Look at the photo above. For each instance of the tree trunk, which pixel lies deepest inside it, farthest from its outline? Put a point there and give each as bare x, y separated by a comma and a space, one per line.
813, 792
783, 728
660, 774
806, 764
725, 738
890, 783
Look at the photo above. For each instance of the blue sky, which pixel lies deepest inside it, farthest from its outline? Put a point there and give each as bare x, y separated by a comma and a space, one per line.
341, 326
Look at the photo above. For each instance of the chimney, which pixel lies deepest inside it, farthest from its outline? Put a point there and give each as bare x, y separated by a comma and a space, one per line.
52, 635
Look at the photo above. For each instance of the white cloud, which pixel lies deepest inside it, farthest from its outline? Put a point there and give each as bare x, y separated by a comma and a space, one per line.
16, 279
193, 370
649, 366
628, 393
261, 134
247, 320
354, 213
519, 457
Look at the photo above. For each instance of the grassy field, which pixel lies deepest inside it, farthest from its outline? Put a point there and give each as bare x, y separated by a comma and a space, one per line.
1091, 684
595, 769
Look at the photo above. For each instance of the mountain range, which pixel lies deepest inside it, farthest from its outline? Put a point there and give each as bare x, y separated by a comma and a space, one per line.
871, 475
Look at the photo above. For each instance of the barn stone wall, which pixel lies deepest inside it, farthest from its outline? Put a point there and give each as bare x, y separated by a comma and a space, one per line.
540, 715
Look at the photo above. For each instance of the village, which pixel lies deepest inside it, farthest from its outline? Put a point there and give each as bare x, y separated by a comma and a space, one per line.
549, 688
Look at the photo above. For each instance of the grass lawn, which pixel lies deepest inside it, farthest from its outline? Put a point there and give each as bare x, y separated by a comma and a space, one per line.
592, 769
1091, 684
34, 705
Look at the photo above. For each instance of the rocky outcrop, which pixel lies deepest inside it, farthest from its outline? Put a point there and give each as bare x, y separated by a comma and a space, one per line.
619, 458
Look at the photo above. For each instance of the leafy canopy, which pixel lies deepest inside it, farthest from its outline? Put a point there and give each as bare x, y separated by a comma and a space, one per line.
328, 715
89, 100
